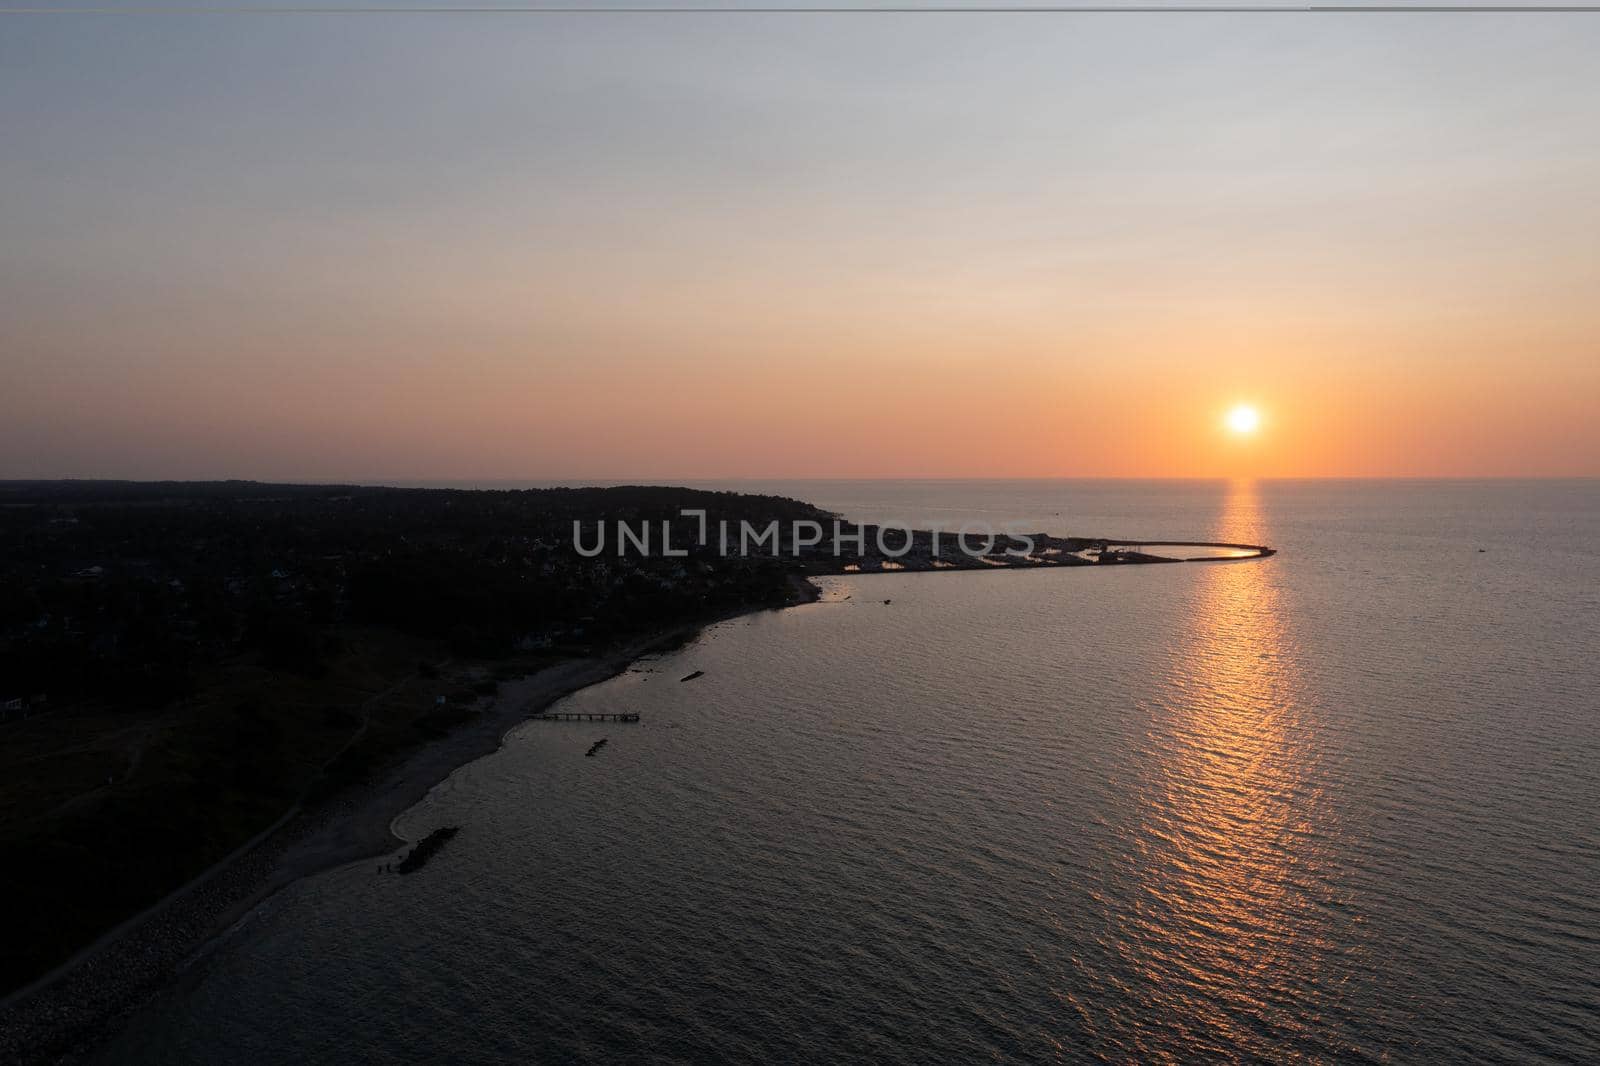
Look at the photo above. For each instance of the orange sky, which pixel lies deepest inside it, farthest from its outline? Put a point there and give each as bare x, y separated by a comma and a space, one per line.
702, 248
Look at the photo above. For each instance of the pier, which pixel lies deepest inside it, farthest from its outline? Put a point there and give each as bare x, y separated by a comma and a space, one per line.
585, 716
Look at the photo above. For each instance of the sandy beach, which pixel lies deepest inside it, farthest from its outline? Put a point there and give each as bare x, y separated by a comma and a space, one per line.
68, 1013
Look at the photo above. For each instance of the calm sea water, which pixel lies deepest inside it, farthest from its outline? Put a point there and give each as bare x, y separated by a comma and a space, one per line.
1339, 804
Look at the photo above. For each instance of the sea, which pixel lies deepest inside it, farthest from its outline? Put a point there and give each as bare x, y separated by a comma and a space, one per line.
1338, 805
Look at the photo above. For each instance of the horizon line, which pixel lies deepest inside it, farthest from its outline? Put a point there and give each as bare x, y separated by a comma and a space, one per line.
834, 9
464, 482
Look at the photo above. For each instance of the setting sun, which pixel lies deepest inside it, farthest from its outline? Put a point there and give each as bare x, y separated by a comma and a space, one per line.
1243, 419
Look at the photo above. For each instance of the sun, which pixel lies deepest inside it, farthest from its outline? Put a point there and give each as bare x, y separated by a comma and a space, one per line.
1243, 419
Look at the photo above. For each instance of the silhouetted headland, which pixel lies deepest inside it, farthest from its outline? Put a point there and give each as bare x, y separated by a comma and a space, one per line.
211, 689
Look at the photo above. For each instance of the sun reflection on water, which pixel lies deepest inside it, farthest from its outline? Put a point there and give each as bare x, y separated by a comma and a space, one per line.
1227, 928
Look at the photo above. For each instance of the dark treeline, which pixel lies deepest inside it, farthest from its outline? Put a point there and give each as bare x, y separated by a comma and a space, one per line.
116, 590
181, 663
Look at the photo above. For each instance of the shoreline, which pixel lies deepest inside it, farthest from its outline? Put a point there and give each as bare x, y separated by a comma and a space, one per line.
71, 1012
68, 1014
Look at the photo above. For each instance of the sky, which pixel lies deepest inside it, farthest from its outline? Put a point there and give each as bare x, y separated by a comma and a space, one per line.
704, 246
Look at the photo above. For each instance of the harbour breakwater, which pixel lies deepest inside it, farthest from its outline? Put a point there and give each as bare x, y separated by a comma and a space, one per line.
926, 551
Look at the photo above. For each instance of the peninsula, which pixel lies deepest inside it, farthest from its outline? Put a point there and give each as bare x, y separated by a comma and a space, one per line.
211, 689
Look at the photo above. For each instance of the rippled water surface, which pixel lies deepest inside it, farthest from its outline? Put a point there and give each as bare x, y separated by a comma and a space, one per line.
1342, 803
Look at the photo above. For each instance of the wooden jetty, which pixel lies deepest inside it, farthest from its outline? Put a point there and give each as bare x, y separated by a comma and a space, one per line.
585, 716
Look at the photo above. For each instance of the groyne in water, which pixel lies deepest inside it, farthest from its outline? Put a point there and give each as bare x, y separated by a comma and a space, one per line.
426, 848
